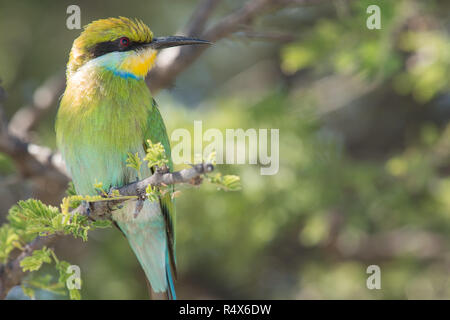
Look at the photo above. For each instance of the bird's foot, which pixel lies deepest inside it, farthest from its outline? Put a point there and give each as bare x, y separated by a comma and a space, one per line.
140, 202
86, 208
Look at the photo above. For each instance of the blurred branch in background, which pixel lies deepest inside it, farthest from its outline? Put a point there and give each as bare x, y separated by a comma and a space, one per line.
44, 97
38, 163
200, 17
172, 62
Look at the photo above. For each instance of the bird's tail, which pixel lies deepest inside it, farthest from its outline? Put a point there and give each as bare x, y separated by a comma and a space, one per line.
148, 240
171, 295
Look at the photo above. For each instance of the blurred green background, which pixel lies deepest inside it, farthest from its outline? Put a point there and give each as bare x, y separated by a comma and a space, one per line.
364, 149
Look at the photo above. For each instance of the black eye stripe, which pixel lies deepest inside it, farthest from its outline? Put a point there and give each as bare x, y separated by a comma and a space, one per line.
102, 48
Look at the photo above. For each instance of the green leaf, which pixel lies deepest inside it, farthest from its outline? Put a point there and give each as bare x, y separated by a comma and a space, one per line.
35, 261
28, 291
101, 224
227, 182
62, 267
156, 155
71, 193
152, 193
74, 294
8, 241
46, 282
71, 189
134, 161
32, 217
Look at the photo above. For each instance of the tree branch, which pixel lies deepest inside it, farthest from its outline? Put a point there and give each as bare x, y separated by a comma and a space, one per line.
30, 159
199, 18
172, 62
102, 209
44, 98
11, 273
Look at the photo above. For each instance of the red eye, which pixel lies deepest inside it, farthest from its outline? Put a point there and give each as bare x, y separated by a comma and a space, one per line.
124, 42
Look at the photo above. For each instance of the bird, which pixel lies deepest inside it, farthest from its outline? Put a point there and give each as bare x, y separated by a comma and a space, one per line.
107, 112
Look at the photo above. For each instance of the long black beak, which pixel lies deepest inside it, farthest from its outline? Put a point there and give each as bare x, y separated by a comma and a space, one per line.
174, 41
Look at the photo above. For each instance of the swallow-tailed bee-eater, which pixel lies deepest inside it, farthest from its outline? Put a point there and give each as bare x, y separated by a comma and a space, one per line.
107, 112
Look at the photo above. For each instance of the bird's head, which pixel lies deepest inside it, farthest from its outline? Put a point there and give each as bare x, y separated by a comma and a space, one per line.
124, 46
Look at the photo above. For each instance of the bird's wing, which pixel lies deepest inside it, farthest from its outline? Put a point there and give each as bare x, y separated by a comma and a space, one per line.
156, 132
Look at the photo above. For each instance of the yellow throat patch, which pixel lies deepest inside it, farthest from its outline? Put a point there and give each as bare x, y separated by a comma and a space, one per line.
139, 63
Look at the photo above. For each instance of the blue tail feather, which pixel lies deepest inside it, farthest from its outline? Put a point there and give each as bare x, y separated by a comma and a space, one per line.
147, 238
170, 287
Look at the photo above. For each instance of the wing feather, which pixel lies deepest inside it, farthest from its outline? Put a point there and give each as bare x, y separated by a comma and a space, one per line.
156, 132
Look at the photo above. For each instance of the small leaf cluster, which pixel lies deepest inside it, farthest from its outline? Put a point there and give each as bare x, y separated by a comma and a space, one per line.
32, 218
46, 282
156, 155
225, 182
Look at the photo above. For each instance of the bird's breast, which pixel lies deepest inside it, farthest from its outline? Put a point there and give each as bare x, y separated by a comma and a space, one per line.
99, 122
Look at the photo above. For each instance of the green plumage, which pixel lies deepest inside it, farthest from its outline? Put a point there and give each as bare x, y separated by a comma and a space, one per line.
98, 123
105, 114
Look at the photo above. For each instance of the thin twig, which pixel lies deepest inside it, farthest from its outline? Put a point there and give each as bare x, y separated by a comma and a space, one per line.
102, 209
268, 36
200, 17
